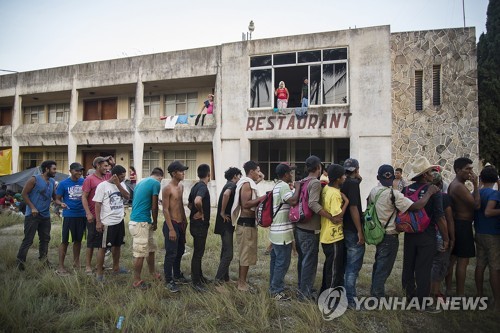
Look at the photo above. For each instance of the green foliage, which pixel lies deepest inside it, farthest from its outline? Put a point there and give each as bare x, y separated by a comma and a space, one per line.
488, 58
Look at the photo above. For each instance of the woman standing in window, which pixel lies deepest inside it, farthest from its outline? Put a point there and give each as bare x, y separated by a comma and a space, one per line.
132, 175
282, 94
208, 105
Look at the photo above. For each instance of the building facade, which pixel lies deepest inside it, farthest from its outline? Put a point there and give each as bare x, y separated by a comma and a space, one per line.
377, 96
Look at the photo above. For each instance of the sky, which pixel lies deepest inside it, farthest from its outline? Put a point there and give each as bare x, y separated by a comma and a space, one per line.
38, 34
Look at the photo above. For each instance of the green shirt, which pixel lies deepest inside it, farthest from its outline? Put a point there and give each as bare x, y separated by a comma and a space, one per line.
281, 230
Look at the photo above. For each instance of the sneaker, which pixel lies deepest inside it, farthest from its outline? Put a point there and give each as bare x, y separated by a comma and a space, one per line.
281, 296
181, 279
172, 287
200, 288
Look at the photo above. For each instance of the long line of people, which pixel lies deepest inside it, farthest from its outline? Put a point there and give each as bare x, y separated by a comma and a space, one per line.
94, 207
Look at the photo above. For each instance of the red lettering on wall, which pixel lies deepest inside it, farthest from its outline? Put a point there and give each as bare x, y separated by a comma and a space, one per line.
346, 115
323, 122
335, 119
313, 120
281, 118
291, 123
260, 123
250, 123
271, 123
301, 124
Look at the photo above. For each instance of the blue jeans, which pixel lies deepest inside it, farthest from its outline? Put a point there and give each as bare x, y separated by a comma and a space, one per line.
173, 252
385, 256
32, 225
307, 249
354, 261
226, 255
305, 102
280, 262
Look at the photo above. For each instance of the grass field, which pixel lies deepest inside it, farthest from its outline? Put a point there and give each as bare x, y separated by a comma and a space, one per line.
37, 300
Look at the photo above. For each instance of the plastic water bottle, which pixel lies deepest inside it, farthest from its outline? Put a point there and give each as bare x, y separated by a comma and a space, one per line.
119, 324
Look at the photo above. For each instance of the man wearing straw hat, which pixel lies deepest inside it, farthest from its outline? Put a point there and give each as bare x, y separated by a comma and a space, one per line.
419, 248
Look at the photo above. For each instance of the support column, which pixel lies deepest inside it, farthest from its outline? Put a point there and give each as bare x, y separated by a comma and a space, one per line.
73, 118
138, 144
16, 122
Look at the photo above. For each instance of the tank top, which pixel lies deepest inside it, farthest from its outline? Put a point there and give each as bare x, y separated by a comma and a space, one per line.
282, 93
41, 196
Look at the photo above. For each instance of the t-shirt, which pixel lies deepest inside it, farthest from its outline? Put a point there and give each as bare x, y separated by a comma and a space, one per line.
281, 230
331, 200
112, 209
483, 224
71, 192
305, 91
220, 225
89, 186
351, 190
385, 208
433, 208
143, 202
200, 189
314, 190
282, 94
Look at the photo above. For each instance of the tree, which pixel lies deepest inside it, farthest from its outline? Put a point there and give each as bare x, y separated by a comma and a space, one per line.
488, 67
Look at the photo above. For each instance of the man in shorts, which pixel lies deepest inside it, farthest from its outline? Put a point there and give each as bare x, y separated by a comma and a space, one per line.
143, 223
463, 205
69, 197
110, 211
243, 216
174, 228
101, 165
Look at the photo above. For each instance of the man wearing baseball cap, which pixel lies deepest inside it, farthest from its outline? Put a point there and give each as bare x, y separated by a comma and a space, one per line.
389, 202
69, 197
101, 165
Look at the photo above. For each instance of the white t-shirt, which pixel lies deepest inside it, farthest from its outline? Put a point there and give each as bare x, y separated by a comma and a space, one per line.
112, 209
385, 207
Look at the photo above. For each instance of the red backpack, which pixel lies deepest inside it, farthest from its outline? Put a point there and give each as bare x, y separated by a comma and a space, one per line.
301, 211
264, 214
413, 221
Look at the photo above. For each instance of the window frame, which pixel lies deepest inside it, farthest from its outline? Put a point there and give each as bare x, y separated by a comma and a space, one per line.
30, 111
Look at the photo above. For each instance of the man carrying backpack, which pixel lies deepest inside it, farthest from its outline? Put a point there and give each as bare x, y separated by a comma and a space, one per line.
419, 248
307, 232
388, 203
281, 230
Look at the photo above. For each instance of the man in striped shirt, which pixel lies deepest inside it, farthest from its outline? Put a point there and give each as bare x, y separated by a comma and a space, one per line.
281, 230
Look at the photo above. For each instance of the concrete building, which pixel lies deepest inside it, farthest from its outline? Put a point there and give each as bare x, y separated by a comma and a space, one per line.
377, 96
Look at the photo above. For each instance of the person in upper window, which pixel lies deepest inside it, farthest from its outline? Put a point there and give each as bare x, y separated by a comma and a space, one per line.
283, 95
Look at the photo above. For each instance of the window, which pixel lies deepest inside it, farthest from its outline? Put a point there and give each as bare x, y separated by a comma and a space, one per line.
269, 153
32, 160
326, 71
34, 115
61, 159
151, 107
150, 160
58, 113
436, 85
177, 104
419, 90
100, 109
5, 116
186, 157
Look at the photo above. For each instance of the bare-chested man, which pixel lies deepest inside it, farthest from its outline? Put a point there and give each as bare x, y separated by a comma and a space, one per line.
243, 215
174, 228
463, 204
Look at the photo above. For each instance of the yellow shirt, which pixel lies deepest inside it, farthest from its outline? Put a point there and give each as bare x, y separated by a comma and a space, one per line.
331, 200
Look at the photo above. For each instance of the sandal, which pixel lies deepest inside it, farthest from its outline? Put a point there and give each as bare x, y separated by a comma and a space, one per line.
62, 273
141, 285
121, 270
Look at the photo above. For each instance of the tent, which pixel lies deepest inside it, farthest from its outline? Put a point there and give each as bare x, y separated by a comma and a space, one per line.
16, 181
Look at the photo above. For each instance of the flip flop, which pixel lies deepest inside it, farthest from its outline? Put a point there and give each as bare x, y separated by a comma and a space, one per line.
89, 272
121, 270
62, 273
157, 277
141, 285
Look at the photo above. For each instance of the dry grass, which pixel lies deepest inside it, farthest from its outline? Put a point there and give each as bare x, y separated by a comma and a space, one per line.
38, 300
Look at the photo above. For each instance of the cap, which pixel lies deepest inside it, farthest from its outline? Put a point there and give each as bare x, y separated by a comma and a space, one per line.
18, 196
97, 160
312, 162
76, 166
176, 166
283, 168
386, 175
351, 164
335, 171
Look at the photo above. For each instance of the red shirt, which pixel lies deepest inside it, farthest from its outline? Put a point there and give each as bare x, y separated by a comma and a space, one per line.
282, 94
90, 184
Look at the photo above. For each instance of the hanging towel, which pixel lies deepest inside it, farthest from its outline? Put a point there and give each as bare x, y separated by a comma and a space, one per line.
170, 122
183, 119
301, 112
236, 209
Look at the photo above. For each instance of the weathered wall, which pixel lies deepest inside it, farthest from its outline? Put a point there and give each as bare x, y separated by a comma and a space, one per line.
440, 133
